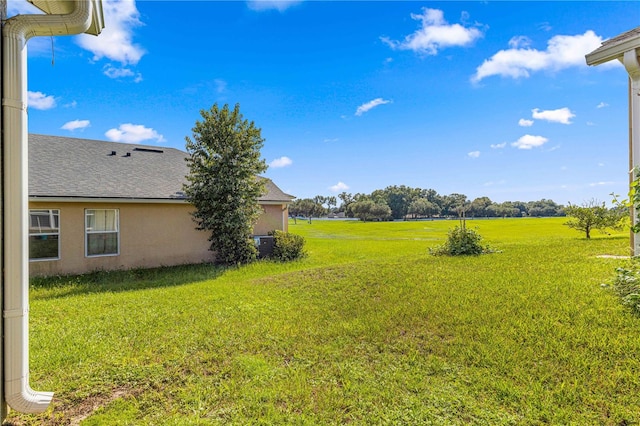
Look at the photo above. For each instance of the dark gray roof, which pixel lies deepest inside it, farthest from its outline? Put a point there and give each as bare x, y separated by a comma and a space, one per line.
64, 167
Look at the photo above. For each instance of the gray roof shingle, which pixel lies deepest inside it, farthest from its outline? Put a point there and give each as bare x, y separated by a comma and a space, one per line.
64, 167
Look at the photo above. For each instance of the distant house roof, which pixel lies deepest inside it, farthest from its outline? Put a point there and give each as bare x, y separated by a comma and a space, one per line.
61, 167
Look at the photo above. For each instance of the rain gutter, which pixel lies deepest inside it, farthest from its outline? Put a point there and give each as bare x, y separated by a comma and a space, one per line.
74, 17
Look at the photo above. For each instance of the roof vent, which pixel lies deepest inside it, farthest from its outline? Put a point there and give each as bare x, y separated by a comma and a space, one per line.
159, 151
128, 154
112, 153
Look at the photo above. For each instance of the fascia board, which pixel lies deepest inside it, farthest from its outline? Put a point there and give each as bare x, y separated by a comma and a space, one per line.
615, 51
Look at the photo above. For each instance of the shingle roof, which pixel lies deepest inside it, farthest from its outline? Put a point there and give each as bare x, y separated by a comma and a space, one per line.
622, 37
82, 168
614, 48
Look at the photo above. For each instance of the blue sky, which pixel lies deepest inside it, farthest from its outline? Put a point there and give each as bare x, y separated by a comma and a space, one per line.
481, 98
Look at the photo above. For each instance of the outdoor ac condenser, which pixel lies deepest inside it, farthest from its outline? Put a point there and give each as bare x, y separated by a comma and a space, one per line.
264, 245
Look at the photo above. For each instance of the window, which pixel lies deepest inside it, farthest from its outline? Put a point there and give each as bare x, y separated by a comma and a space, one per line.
102, 232
44, 234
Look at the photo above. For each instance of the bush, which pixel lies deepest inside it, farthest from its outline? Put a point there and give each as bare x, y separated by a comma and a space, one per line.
626, 285
461, 241
287, 246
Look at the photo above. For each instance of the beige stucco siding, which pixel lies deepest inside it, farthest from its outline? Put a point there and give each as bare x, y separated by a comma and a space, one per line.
150, 235
274, 217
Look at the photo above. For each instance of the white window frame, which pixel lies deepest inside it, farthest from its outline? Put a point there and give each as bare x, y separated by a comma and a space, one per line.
88, 232
51, 213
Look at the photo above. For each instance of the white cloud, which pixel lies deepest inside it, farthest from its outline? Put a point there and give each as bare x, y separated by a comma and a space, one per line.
281, 162
279, 5
519, 42
498, 145
114, 72
116, 40
525, 123
221, 85
561, 115
370, 105
602, 105
38, 100
601, 184
545, 26
71, 104
329, 140
530, 141
76, 124
434, 34
339, 187
519, 61
133, 133
474, 154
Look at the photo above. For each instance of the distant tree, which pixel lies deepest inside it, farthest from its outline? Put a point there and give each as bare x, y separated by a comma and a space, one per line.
330, 201
431, 195
319, 199
593, 215
398, 198
423, 208
544, 208
317, 210
296, 208
222, 184
346, 199
496, 210
454, 205
479, 206
306, 207
370, 210
513, 209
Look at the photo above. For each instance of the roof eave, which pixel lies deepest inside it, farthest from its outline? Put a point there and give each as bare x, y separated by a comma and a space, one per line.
103, 200
612, 51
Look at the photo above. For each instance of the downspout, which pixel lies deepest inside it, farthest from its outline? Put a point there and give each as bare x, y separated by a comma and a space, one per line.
16, 32
632, 65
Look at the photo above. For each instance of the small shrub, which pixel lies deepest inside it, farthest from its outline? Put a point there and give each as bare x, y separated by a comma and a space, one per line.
287, 246
461, 241
626, 285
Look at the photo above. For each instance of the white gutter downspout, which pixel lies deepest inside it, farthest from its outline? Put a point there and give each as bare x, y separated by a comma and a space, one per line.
16, 32
632, 65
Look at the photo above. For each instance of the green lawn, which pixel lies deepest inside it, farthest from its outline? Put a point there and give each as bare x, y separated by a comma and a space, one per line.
368, 329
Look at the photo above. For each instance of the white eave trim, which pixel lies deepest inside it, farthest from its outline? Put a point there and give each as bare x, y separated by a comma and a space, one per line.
273, 203
128, 200
606, 53
108, 200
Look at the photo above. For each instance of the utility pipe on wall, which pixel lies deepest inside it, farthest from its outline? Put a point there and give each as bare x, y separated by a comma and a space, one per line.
16, 32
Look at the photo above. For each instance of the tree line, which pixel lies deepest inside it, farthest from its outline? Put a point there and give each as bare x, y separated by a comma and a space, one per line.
404, 202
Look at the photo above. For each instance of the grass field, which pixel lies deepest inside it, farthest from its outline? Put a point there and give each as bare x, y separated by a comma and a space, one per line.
368, 329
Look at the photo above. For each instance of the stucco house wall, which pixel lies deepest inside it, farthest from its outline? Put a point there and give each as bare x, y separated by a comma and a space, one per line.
144, 185
150, 235
274, 216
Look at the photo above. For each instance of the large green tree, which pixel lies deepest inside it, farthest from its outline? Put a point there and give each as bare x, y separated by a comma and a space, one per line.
223, 184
